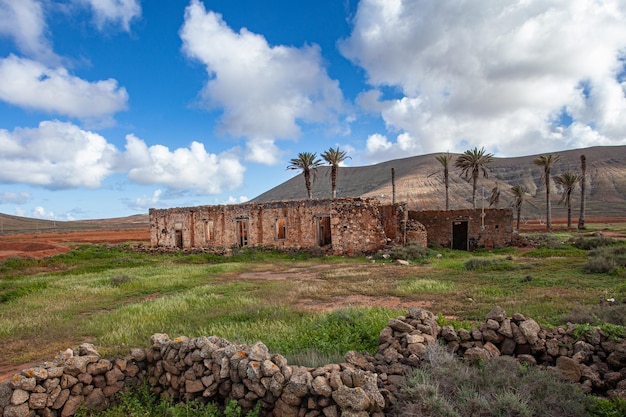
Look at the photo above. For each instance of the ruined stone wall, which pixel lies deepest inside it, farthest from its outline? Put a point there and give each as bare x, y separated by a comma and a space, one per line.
498, 231
355, 225
213, 369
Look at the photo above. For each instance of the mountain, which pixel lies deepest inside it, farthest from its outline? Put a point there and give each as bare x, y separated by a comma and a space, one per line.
14, 224
419, 182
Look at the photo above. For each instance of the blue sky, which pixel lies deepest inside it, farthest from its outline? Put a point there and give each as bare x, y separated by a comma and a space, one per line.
110, 107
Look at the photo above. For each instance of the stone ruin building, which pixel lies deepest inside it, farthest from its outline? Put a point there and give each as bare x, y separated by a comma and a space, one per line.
345, 226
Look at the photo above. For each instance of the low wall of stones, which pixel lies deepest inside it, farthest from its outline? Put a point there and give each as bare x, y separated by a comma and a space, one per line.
213, 369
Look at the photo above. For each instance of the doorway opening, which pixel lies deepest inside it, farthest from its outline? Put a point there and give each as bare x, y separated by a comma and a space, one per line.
242, 232
460, 234
179, 238
323, 231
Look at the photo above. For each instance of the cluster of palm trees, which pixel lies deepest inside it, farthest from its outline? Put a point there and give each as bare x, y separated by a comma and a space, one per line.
308, 162
474, 162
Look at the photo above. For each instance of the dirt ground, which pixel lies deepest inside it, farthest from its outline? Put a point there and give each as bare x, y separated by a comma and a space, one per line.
42, 245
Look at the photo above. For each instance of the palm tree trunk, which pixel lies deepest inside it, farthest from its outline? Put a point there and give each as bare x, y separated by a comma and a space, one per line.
548, 204
446, 181
569, 214
307, 181
333, 180
519, 212
393, 186
474, 180
583, 167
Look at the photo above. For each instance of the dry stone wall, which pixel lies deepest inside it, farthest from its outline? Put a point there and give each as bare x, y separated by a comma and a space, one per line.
213, 369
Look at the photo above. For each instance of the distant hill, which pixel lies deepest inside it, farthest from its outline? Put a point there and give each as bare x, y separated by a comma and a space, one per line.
14, 224
419, 182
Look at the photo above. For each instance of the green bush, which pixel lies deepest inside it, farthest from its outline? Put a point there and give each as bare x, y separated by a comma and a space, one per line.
482, 264
413, 252
592, 243
445, 386
606, 260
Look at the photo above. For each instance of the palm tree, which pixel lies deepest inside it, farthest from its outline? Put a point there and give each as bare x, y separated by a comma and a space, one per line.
568, 181
307, 162
334, 157
583, 177
519, 195
546, 161
472, 163
494, 197
445, 159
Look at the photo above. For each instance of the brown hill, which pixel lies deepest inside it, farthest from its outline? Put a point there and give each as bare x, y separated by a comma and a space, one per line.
419, 181
15, 224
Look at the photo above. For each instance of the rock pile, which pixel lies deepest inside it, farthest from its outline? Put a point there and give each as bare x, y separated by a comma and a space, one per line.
213, 369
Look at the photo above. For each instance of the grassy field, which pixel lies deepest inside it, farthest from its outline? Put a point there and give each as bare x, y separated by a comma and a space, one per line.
312, 310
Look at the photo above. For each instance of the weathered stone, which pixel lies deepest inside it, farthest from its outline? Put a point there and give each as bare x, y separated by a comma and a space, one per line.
138, 354
497, 313
400, 326
258, 352
87, 349
61, 399
385, 336
552, 347
21, 410
448, 334
354, 399
37, 372
476, 355
78, 364
194, 386
23, 382
269, 368
357, 359
320, 386
492, 349
491, 336
113, 376
505, 328
569, 368
464, 335
530, 329
71, 406
508, 347
96, 400
37, 401
19, 397
617, 358
330, 411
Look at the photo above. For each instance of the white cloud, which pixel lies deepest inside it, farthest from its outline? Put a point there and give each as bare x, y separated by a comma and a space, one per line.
55, 155
237, 200
23, 20
29, 84
184, 168
144, 202
264, 91
120, 12
14, 198
496, 74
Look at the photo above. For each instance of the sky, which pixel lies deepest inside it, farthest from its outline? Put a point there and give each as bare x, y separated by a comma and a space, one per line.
111, 107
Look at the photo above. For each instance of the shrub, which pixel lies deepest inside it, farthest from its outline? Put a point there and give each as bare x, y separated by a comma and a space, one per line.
482, 264
606, 260
410, 252
445, 386
119, 280
592, 243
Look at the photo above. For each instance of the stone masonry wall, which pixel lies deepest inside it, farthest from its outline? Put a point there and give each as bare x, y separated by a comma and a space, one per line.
213, 369
498, 230
356, 225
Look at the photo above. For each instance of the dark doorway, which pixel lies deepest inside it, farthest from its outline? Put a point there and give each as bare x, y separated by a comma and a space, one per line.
323, 231
179, 239
242, 232
459, 234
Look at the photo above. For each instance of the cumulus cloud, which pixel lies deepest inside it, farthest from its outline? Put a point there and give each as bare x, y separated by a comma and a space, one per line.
264, 91
498, 75
15, 198
23, 21
55, 155
29, 84
191, 168
145, 202
120, 12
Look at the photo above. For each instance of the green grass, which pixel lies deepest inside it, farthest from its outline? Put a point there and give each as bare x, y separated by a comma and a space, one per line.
117, 297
